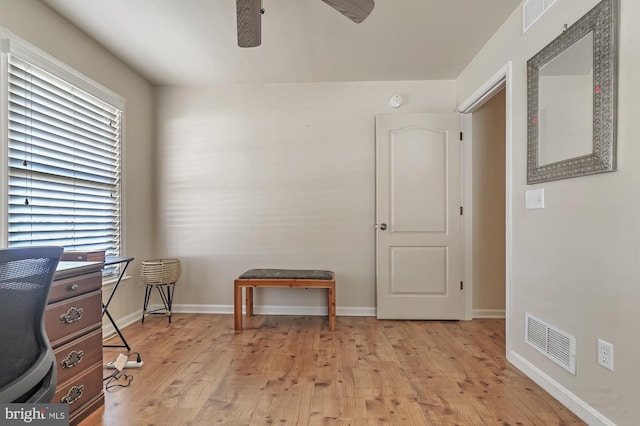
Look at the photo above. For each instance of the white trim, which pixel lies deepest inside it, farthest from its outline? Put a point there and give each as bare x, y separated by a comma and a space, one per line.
4, 148
108, 332
355, 311
485, 92
15, 45
197, 308
123, 181
501, 78
508, 202
271, 310
467, 218
580, 408
489, 313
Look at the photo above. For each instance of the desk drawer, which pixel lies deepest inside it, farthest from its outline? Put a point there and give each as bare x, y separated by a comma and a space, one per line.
80, 389
75, 357
73, 318
74, 286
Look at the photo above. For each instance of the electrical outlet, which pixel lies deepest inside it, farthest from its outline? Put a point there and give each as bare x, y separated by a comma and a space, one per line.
605, 354
534, 199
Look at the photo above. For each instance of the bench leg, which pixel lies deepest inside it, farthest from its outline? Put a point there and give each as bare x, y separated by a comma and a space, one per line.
249, 296
237, 306
332, 308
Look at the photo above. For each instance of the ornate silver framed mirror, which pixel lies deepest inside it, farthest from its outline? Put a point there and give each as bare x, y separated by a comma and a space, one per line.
571, 100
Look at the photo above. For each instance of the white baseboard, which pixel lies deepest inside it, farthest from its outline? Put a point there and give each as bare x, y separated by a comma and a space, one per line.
108, 331
274, 310
580, 408
201, 309
355, 311
489, 313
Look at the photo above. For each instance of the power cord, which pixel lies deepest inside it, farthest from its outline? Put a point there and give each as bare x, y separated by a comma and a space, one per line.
115, 377
112, 379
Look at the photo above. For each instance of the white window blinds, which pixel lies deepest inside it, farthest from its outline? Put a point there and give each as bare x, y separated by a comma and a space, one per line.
64, 163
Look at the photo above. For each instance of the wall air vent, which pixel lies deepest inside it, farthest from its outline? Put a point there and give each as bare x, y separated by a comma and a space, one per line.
532, 10
555, 344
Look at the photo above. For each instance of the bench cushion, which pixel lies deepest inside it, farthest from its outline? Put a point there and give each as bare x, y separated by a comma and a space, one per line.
287, 274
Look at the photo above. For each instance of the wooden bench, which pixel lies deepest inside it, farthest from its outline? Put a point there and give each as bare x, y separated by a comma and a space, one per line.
282, 278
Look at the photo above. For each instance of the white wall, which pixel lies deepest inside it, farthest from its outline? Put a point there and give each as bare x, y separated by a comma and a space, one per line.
276, 176
38, 25
576, 263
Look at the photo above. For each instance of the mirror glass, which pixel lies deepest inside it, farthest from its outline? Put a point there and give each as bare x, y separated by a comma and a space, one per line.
565, 104
571, 100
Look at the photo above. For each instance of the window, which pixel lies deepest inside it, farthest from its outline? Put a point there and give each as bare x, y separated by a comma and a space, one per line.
64, 158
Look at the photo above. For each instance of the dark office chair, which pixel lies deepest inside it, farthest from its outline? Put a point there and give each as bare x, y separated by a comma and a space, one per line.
27, 362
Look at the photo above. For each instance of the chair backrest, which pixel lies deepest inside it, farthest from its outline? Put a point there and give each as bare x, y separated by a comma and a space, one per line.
26, 275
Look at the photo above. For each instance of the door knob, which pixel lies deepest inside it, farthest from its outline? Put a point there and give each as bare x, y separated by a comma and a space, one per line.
383, 226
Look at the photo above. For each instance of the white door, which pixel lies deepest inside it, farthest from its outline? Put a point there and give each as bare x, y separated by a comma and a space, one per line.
418, 216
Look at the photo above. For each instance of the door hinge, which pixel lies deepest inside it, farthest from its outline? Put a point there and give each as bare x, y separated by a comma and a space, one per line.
461, 285
460, 135
461, 211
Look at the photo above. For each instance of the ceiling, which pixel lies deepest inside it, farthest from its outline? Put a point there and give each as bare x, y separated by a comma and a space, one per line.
193, 42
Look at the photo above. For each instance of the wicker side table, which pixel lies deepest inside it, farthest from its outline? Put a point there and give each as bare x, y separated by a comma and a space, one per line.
163, 275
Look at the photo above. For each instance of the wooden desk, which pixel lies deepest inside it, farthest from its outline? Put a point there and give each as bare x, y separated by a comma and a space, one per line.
282, 278
73, 320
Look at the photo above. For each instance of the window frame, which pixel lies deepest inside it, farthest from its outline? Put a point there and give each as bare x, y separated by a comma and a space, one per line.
12, 44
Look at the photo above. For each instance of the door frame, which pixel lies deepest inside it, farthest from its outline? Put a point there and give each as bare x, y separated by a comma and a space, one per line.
500, 79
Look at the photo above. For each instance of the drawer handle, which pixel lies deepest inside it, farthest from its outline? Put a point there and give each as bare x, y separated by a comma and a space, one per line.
73, 359
73, 395
74, 287
72, 315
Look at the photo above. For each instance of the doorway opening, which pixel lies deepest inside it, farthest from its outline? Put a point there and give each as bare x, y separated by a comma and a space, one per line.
487, 188
488, 215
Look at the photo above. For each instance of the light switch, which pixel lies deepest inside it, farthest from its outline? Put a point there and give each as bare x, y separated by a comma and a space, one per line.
534, 199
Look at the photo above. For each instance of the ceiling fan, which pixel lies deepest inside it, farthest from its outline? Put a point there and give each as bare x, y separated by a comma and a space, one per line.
249, 14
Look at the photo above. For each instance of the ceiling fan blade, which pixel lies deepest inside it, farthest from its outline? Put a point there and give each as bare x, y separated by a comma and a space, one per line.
249, 17
356, 10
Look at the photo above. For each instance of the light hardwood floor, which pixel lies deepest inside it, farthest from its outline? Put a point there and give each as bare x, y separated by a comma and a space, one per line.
292, 370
